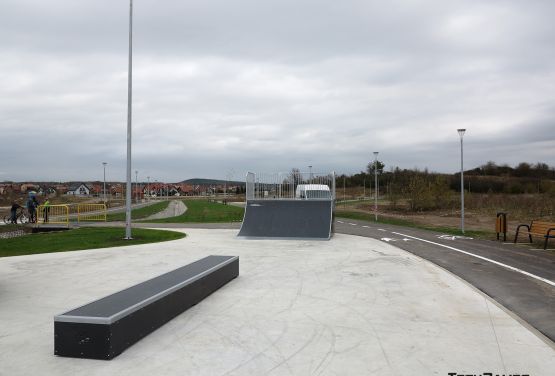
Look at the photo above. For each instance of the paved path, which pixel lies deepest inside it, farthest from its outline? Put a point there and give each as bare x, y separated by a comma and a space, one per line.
175, 208
520, 278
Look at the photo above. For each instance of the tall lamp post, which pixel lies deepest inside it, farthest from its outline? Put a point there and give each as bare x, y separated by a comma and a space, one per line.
310, 174
104, 165
461, 134
376, 185
129, 101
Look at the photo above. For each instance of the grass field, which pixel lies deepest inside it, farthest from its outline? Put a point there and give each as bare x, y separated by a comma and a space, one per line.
406, 223
81, 238
140, 213
200, 211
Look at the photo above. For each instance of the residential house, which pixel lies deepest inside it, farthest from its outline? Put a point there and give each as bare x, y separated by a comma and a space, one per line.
79, 189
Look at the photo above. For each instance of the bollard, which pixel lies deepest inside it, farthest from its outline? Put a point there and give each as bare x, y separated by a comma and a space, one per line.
501, 225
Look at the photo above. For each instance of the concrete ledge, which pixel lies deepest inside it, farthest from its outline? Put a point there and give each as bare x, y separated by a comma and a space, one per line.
104, 328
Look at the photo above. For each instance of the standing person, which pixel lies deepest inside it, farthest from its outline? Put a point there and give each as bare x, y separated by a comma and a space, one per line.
46, 209
15, 206
35, 206
31, 208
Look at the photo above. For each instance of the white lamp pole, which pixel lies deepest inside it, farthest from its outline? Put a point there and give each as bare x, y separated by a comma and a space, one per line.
461, 134
376, 185
129, 101
310, 174
104, 164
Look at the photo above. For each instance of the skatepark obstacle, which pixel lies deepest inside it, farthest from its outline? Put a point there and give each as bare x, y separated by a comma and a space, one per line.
289, 206
104, 328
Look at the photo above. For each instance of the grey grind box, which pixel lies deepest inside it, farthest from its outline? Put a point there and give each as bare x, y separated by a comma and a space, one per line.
106, 327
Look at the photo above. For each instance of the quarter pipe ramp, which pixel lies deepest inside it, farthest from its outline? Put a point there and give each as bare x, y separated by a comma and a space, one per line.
293, 219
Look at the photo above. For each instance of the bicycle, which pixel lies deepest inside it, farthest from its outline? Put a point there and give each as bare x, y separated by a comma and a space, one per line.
21, 217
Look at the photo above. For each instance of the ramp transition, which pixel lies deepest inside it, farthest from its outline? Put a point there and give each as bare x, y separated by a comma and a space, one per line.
302, 219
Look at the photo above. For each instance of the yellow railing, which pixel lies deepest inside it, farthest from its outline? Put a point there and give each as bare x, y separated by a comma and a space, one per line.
53, 214
91, 212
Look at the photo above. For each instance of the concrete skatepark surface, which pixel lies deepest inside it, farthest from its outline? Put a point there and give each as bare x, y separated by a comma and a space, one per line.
350, 306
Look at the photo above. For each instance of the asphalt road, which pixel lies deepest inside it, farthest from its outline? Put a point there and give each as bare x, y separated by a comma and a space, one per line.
518, 277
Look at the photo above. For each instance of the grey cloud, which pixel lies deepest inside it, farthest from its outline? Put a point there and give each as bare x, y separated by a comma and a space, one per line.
241, 85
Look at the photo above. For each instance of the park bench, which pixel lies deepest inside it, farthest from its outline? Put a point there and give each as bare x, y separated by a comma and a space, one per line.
537, 228
106, 327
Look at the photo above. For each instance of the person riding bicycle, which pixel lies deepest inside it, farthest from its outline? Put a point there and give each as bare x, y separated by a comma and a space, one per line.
15, 206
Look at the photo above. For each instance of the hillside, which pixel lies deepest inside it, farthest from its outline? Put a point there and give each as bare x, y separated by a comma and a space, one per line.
201, 181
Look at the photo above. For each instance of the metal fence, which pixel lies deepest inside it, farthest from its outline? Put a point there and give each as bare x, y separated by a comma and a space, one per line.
91, 212
53, 214
290, 186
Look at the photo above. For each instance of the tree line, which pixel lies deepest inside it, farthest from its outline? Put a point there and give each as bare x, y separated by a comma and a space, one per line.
425, 190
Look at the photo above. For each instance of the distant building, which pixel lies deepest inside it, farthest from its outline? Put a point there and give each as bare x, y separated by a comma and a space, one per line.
80, 189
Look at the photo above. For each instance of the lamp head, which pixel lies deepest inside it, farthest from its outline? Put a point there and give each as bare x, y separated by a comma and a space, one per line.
376, 154
461, 131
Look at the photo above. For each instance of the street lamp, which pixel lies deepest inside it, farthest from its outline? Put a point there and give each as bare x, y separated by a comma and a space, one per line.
461, 134
310, 174
129, 101
104, 164
376, 185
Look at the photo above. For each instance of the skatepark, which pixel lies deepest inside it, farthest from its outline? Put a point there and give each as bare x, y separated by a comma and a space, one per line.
350, 305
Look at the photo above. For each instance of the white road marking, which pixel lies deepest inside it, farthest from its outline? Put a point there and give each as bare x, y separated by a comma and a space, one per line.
452, 237
340, 222
388, 239
381, 229
353, 224
366, 226
545, 280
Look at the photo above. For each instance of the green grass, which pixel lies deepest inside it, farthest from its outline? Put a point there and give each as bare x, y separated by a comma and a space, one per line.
140, 213
81, 238
200, 211
406, 223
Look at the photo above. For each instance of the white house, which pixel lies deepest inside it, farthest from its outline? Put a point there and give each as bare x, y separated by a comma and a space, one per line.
79, 190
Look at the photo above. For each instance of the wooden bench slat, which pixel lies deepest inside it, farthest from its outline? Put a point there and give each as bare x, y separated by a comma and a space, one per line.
537, 228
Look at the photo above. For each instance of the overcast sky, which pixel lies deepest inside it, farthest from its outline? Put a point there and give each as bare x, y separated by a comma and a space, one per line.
222, 87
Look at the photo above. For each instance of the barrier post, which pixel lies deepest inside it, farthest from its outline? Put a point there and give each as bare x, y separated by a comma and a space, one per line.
501, 225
